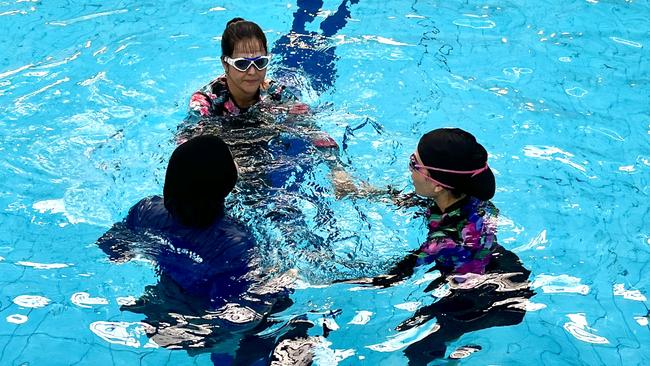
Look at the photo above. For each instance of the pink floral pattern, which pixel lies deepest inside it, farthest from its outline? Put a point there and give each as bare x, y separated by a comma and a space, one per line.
461, 240
214, 99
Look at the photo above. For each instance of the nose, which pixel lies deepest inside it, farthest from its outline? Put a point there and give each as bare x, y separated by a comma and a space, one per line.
252, 70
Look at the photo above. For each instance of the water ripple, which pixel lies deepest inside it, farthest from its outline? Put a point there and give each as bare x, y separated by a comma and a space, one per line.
626, 42
42, 265
64, 23
31, 301
238, 314
21, 99
83, 300
560, 284
361, 318
408, 306
385, 40
17, 319
15, 71
576, 91
636, 295
124, 333
578, 328
126, 300
475, 23
642, 320
405, 338
547, 152
538, 242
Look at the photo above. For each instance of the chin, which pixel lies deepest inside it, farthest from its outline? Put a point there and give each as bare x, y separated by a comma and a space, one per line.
251, 88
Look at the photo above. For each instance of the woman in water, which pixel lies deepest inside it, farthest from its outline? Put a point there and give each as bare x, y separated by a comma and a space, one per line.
259, 118
212, 294
480, 283
243, 87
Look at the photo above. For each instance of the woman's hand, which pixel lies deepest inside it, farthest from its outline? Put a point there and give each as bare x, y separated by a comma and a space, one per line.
343, 184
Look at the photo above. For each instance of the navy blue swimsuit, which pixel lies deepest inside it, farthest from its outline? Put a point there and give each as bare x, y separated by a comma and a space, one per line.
208, 263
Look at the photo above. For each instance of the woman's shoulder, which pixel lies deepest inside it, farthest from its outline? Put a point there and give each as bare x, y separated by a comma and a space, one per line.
216, 86
233, 230
149, 211
212, 90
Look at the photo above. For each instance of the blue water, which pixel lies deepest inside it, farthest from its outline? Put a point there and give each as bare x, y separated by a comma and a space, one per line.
557, 92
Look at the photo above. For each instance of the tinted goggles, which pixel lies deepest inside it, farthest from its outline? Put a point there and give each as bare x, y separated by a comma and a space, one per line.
244, 63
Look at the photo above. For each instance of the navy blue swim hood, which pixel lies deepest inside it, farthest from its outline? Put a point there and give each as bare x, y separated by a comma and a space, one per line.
200, 174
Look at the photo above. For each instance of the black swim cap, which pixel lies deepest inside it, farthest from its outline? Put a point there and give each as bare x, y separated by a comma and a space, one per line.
457, 150
200, 174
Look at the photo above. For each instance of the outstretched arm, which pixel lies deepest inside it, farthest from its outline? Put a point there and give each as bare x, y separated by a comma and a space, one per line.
116, 243
401, 271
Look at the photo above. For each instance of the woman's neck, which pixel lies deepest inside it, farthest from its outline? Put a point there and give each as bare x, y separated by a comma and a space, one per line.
242, 99
446, 199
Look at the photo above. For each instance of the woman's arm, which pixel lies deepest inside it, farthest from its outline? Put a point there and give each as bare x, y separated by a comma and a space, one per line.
401, 271
116, 243
121, 241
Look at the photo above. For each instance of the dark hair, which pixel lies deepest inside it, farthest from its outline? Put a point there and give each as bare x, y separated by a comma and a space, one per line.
200, 174
238, 29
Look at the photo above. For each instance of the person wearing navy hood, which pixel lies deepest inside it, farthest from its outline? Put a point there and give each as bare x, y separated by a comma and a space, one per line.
187, 232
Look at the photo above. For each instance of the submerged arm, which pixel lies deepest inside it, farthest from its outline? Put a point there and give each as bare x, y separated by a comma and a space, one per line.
401, 271
117, 243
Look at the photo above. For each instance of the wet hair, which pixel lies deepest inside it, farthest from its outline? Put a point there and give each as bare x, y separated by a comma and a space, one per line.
200, 174
237, 30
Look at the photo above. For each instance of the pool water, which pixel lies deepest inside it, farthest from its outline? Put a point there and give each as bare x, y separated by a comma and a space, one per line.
557, 92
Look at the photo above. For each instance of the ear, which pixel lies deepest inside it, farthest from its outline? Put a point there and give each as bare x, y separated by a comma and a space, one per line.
438, 188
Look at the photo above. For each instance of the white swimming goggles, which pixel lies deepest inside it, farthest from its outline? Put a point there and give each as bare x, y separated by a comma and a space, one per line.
244, 63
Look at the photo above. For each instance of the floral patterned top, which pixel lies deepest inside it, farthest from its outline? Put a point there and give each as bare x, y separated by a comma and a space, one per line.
462, 239
214, 99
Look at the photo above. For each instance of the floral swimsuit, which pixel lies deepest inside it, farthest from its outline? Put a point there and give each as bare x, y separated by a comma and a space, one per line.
214, 99
461, 240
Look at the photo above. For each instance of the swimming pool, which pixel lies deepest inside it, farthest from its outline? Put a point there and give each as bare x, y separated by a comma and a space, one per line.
91, 95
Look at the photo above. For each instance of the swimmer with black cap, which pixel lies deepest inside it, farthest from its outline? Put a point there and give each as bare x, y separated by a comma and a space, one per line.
451, 168
200, 175
197, 244
449, 165
209, 270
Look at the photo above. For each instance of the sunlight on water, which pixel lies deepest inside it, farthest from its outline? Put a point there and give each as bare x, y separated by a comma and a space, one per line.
91, 96
31, 301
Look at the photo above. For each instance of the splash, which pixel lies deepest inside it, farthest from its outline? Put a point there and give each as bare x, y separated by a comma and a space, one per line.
361, 318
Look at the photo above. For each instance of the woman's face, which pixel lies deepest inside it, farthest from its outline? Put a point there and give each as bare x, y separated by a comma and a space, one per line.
246, 82
421, 180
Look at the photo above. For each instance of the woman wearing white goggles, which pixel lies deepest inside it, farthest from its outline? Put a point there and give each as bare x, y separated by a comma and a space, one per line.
244, 63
